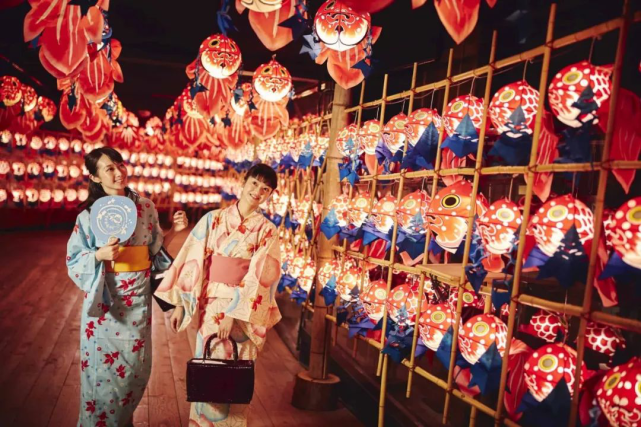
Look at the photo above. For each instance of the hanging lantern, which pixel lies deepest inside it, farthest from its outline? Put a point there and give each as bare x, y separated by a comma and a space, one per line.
359, 209
457, 109
29, 98
341, 207
58, 195
547, 365
10, 91
418, 121
383, 213
619, 394
47, 108
470, 299
33, 169
412, 213
71, 195
339, 27
405, 295
36, 143
394, 133
449, 211
555, 218
368, 136
547, 326
5, 168
478, 334
578, 91
329, 269
272, 81
45, 196
350, 278
19, 169
497, 227
345, 134
374, 299
510, 98
263, 6
623, 232
433, 324
20, 140
220, 56
603, 339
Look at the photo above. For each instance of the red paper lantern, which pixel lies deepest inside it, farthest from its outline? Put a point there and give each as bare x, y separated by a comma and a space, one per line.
623, 232
470, 299
374, 299
220, 56
272, 81
350, 278
413, 204
359, 209
383, 213
394, 133
603, 339
457, 109
547, 365
546, 325
263, 6
478, 334
619, 394
368, 136
497, 227
10, 91
329, 269
341, 207
47, 108
405, 295
29, 98
434, 323
339, 27
510, 97
582, 83
418, 121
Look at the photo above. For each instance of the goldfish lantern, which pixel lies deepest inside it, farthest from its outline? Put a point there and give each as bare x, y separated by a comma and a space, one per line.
5, 137
383, 213
359, 209
263, 6
470, 299
349, 279
478, 334
71, 195
20, 140
547, 326
83, 194
405, 295
555, 218
418, 121
58, 196
449, 211
47, 108
29, 98
497, 227
272, 81
36, 143
368, 136
344, 135
220, 56
19, 170
45, 196
329, 269
339, 27
412, 213
457, 109
603, 339
619, 394
433, 324
341, 207
5, 168
18, 195
10, 91
508, 99
394, 133
578, 91
48, 167
547, 365
31, 195
306, 277
374, 299
76, 146
624, 232
33, 169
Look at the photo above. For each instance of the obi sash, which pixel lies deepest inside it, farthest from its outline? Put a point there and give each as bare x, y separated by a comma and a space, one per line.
228, 270
131, 258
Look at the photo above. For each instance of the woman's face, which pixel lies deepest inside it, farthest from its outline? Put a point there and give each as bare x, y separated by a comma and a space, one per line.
255, 192
111, 175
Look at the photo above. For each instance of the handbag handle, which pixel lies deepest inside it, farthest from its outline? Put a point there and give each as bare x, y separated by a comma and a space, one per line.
207, 352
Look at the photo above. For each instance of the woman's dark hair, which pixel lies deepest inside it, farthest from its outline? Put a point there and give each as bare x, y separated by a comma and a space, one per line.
263, 173
91, 163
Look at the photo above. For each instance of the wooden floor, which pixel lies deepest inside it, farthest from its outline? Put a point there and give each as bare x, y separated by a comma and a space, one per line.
39, 362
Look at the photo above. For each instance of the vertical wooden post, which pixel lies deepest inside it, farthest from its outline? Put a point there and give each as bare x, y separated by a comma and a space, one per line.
598, 208
313, 388
547, 55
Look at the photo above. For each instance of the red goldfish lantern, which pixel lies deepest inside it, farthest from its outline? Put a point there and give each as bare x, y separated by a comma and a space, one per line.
418, 121
341, 207
272, 81
449, 211
603, 339
349, 279
265, 17
478, 334
547, 365
405, 295
578, 91
510, 98
518, 356
457, 109
29, 98
470, 299
368, 136
413, 205
546, 325
619, 394
10, 91
433, 324
359, 209
220, 56
344, 135
624, 232
497, 227
47, 108
394, 133
383, 213
329, 269
374, 299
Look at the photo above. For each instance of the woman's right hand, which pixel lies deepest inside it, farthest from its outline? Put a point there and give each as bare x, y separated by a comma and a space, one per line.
176, 318
110, 252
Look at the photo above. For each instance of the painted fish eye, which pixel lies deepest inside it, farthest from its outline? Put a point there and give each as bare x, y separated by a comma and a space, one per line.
506, 215
214, 43
557, 213
572, 77
267, 70
283, 72
468, 298
380, 294
480, 329
388, 206
438, 317
612, 381
398, 295
507, 96
634, 215
458, 106
548, 363
451, 201
410, 204
421, 115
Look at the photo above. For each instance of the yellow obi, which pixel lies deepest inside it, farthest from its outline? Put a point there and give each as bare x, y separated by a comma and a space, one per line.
131, 258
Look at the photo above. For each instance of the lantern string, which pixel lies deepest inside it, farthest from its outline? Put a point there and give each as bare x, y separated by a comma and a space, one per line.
525, 64
591, 49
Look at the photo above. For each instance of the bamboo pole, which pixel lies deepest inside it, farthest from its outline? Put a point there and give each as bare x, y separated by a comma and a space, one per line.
526, 209
598, 209
470, 226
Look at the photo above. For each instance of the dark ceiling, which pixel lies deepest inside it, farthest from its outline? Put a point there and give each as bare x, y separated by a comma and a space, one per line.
160, 38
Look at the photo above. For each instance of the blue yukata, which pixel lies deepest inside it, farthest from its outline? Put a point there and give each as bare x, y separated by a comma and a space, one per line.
115, 333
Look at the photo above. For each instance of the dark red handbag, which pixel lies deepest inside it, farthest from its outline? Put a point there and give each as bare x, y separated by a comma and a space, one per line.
220, 381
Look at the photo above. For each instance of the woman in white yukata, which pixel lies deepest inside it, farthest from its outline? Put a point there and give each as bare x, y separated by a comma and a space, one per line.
225, 279
115, 334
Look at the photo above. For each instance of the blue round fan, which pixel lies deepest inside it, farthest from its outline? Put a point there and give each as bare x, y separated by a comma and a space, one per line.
113, 216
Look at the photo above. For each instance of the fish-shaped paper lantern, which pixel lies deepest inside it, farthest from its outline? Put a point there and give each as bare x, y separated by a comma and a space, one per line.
10, 90
349, 132
619, 394
374, 299
412, 213
220, 56
349, 279
478, 334
547, 365
418, 121
457, 109
339, 27
405, 295
497, 227
394, 133
341, 206
470, 300
383, 213
547, 326
359, 209
623, 232
603, 339
517, 95
272, 81
329, 269
434, 323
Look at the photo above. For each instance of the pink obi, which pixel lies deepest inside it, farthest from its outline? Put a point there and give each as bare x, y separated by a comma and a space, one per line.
227, 270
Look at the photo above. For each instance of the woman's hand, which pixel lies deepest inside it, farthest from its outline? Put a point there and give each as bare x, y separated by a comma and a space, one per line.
176, 318
180, 221
224, 328
110, 252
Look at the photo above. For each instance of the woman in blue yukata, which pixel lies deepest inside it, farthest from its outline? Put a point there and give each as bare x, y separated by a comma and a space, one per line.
115, 334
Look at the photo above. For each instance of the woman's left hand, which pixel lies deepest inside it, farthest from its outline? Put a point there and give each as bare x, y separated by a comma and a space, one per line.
224, 328
180, 221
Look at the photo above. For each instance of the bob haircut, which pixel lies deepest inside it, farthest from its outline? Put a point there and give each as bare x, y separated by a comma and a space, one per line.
263, 173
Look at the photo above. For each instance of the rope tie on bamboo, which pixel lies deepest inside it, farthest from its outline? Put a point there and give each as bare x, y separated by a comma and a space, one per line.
531, 168
607, 164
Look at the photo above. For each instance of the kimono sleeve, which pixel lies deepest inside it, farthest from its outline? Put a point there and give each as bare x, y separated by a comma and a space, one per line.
83, 268
182, 284
256, 302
